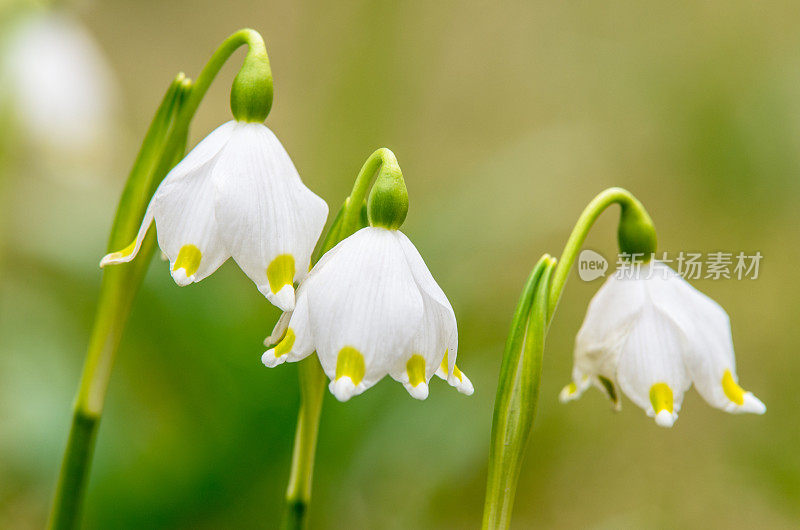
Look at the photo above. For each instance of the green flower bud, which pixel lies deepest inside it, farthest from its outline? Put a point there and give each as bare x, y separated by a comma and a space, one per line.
251, 94
636, 233
387, 205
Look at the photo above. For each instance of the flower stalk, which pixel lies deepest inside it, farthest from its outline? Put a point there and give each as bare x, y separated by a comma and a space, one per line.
520, 373
117, 291
312, 390
162, 148
636, 235
381, 166
388, 200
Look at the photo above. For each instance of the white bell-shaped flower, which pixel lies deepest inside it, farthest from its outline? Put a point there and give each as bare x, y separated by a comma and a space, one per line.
369, 308
236, 194
651, 334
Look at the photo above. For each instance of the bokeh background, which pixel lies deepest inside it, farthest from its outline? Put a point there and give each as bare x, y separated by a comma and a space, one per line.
506, 118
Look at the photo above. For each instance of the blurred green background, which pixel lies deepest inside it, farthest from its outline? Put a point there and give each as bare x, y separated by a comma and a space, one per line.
506, 118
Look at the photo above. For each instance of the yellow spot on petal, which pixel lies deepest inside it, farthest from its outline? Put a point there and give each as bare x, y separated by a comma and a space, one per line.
661, 397
120, 254
127, 251
415, 368
286, 343
350, 363
572, 388
445, 366
188, 259
734, 392
280, 272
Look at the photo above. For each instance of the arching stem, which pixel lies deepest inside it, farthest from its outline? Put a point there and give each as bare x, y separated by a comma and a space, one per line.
520, 373
630, 206
163, 147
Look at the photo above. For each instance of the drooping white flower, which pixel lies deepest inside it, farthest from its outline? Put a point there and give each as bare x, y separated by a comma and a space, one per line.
236, 194
652, 335
59, 83
369, 308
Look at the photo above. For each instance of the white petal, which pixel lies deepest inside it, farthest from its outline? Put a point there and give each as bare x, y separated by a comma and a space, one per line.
419, 391
297, 340
437, 335
270, 359
448, 329
284, 298
185, 225
183, 207
608, 321
328, 256
344, 388
598, 344
651, 354
656, 328
708, 356
264, 211
128, 253
665, 419
420, 271
426, 350
202, 154
710, 352
181, 275
365, 298
751, 404
461, 382
171, 195
575, 389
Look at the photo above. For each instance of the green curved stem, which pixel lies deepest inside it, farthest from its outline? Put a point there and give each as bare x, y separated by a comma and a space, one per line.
163, 147
256, 47
597, 206
382, 161
117, 291
298, 492
312, 391
520, 374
